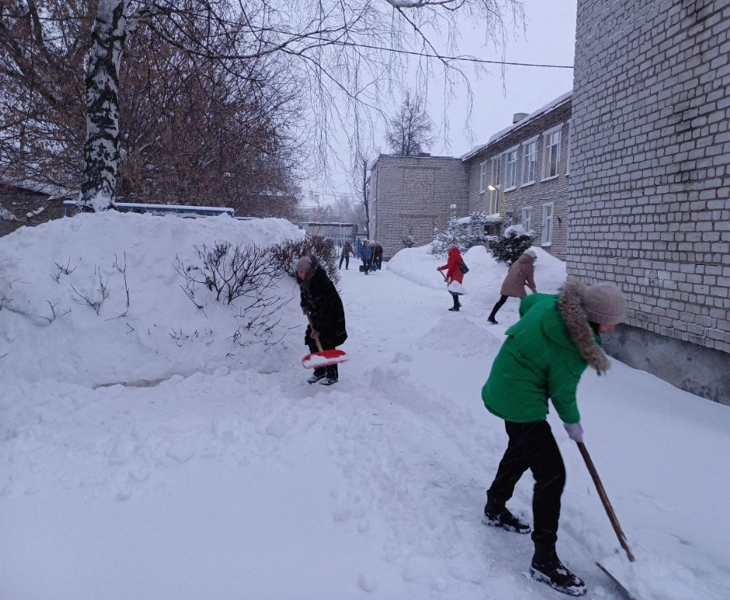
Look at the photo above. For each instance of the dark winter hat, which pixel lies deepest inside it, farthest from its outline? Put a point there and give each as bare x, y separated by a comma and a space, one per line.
604, 303
304, 264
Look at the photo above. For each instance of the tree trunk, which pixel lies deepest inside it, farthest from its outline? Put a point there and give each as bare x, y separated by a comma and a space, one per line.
101, 148
365, 198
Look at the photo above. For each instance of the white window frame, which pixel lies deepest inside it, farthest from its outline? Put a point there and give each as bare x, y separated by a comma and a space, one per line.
547, 223
497, 179
527, 218
527, 155
547, 137
482, 177
510, 185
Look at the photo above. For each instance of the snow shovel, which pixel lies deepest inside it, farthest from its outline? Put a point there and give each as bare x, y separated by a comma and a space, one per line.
323, 358
611, 516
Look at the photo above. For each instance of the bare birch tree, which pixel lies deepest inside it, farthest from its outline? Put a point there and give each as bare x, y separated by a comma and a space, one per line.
410, 131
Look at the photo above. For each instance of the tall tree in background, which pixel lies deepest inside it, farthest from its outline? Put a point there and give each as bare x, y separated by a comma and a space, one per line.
341, 59
410, 132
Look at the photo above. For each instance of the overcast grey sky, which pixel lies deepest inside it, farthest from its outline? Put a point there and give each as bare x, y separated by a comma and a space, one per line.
549, 39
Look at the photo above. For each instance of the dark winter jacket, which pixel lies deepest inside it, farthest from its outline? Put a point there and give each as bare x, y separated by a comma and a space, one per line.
543, 358
378, 251
453, 272
319, 296
346, 249
366, 253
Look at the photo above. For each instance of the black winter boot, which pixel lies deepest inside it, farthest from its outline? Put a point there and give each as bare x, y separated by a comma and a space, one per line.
546, 567
505, 519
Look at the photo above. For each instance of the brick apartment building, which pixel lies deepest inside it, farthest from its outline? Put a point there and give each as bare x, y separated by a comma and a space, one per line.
650, 185
528, 165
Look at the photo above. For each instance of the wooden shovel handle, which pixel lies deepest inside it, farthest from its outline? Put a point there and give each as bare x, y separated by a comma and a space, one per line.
604, 499
316, 339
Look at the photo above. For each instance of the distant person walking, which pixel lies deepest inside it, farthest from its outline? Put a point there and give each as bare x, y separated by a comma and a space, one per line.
521, 274
378, 256
345, 255
454, 275
366, 254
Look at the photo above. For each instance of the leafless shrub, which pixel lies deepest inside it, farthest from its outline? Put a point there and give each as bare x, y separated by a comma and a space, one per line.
286, 255
232, 273
180, 337
61, 270
54, 314
123, 271
102, 293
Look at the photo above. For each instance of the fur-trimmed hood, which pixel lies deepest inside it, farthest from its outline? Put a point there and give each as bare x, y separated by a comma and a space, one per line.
579, 331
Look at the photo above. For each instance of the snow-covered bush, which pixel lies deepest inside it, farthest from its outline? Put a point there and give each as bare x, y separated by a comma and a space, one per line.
512, 245
409, 241
466, 233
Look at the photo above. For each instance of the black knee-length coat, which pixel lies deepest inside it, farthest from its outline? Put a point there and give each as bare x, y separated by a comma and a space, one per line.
319, 296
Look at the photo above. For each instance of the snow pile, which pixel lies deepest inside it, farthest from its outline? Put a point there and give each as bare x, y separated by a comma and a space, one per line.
218, 477
49, 272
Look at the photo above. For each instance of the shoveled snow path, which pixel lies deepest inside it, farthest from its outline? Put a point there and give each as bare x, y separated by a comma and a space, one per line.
247, 484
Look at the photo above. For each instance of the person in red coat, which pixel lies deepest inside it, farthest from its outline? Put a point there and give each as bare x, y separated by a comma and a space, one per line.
454, 276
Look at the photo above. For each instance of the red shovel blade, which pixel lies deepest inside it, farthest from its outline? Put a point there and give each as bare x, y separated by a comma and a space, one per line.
322, 359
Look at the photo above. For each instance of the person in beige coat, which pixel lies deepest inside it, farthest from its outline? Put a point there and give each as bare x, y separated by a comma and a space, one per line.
521, 274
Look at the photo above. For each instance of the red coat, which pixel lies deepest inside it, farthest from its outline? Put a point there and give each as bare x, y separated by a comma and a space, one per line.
453, 272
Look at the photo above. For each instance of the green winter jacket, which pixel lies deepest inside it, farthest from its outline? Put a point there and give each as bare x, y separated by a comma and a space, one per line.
543, 358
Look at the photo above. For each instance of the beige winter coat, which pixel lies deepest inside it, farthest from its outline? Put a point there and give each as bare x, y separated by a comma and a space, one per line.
520, 274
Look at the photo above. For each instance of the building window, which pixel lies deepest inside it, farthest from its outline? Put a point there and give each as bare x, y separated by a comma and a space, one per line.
510, 179
482, 177
527, 218
547, 224
551, 153
497, 173
529, 161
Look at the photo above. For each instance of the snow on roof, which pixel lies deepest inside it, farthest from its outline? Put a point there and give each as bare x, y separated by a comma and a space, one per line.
558, 102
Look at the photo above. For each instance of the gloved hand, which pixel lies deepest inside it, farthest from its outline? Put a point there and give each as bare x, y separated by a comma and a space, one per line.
305, 310
575, 431
314, 334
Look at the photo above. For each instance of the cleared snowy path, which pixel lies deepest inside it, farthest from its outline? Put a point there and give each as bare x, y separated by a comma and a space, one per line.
252, 484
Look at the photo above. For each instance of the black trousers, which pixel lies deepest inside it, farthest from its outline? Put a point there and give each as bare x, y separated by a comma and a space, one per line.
330, 370
366, 263
455, 296
532, 446
346, 258
500, 304
379, 261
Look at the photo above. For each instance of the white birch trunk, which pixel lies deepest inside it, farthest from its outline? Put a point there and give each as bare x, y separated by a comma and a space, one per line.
101, 148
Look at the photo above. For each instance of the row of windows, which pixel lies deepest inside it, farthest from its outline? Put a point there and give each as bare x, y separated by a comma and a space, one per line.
504, 166
548, 212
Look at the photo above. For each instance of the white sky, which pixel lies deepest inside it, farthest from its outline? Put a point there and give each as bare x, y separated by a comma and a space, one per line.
549, 39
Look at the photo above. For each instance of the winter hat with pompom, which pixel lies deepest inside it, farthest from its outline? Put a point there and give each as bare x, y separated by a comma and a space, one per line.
604, 303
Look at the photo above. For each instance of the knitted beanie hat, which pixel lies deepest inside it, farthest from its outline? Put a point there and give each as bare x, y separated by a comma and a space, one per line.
604, 303
531, 253
304, 264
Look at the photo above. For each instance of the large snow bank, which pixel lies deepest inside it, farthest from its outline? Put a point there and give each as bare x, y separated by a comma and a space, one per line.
161, 333
485, 276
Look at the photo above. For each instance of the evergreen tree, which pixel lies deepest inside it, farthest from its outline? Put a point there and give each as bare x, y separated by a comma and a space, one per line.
512, 245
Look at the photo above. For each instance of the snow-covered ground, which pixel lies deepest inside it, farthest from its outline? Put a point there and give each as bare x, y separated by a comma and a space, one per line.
221, 474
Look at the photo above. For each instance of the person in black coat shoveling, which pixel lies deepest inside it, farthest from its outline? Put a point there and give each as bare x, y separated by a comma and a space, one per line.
323, 306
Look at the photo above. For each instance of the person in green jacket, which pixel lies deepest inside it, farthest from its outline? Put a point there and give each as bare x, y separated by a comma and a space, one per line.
542, 359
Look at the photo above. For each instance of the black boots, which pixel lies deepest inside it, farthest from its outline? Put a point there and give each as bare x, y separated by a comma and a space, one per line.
546, 567
505, 519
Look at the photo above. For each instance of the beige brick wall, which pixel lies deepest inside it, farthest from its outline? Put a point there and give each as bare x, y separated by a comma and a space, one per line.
413, 195
650, 200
